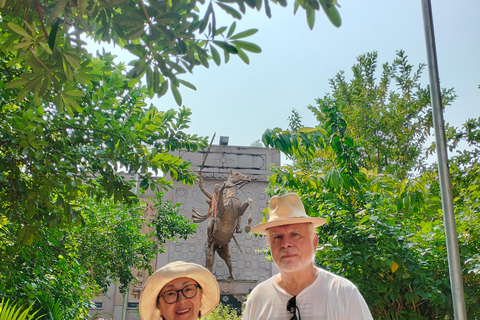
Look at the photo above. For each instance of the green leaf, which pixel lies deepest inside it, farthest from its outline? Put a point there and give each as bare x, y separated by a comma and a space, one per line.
215, 55
75, 93
220, 31
268, 11
243, 56
162, 89
53, 34
17, 83
331, 11
176, 95
248, 46
310, 17
234, 13
187, 84
231, 30
72, 58
206, 17
244, 34
17, 29
226, 47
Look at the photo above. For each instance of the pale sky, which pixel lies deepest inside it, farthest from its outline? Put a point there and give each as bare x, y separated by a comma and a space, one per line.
241, 101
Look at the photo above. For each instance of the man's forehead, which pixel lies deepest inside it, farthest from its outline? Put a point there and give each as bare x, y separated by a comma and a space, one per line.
289, 228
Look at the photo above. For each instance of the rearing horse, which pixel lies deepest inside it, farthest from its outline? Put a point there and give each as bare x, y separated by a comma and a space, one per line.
229, 210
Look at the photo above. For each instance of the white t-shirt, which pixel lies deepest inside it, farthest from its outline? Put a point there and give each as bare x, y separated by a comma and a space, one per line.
329, 297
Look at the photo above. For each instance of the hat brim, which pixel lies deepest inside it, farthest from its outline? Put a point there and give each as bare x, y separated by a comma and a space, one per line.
210, 290
262, 227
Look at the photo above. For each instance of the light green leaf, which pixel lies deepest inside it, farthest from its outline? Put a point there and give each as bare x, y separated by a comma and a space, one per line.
310, 17
220, 31
17, 29
75, 93
232, 29
17, 83
244, 34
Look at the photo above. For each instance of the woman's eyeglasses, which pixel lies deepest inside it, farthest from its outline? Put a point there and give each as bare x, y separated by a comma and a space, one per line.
171, 296
293, 309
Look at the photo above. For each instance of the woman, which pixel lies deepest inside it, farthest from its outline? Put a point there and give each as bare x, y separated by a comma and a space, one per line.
180, 290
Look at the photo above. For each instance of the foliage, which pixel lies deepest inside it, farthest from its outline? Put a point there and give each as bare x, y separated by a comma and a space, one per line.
72, 265
168, 38
222, 312
15, 312
169, 225
390, 117
383, 232
52, 309
49, 159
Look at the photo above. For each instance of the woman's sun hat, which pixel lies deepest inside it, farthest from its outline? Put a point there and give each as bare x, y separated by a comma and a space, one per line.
286, 209
179, 269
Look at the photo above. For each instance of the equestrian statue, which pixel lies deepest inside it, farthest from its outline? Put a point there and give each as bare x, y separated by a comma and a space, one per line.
225, 212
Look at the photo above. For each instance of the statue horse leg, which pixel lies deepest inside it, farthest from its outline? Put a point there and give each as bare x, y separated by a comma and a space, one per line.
224, 253
209, 249
250, 215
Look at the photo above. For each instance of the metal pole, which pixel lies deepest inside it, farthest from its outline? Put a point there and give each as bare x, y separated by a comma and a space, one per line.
125, 296
453, 254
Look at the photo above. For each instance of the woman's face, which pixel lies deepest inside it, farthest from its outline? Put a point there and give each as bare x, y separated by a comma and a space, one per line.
183, 308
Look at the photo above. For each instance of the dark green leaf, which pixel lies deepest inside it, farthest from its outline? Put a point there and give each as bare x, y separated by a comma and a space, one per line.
247, 46
53, 34
226, 46
243, 56
331, 11
215, 55
234, 13
176, 95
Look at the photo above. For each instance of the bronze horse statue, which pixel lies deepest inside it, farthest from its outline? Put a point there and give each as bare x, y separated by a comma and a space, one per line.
225, 220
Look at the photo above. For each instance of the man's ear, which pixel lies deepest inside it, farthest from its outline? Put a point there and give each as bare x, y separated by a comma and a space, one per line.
315, 241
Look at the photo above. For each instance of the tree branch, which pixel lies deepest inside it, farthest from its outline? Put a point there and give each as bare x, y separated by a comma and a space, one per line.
41, 62
40, 16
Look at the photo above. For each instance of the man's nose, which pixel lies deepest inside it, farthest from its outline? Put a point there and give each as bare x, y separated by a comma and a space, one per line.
286, 242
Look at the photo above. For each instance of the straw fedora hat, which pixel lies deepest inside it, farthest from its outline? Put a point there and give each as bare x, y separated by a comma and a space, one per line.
179, 269
287, 209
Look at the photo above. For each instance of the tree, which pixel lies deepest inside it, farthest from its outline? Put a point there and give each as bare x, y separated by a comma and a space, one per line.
61, 173
383, 232
73, 265
48, 156
390, 118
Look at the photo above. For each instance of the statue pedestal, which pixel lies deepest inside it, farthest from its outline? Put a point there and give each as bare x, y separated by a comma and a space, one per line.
238, 289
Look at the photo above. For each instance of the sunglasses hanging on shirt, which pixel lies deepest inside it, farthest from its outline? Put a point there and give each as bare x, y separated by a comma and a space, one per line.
293, 309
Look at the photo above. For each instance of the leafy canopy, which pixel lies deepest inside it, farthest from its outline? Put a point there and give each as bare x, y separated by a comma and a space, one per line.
169, 38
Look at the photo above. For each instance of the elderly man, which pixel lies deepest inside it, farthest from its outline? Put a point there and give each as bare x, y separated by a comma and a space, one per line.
300, 290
